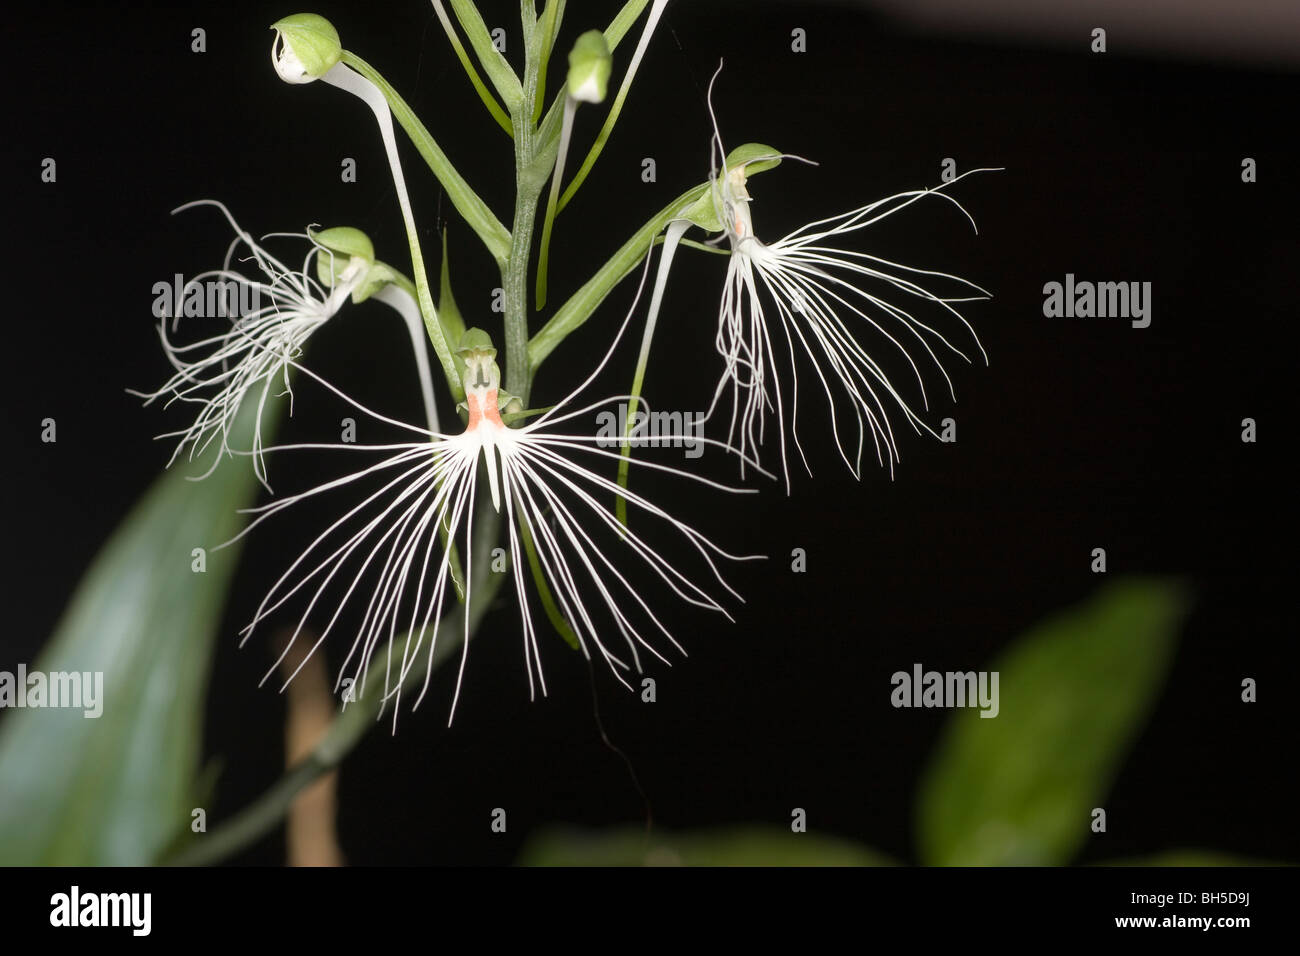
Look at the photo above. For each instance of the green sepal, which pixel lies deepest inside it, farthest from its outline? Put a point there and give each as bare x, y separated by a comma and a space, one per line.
476, 340
346, 240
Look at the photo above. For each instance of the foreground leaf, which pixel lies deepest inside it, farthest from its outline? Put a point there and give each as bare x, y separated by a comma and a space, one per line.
1020, 788
116, 789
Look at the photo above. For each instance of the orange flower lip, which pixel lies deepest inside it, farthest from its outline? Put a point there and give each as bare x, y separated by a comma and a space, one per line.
481, 409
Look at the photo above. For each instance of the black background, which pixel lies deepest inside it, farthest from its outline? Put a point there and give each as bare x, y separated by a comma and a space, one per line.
1080, 433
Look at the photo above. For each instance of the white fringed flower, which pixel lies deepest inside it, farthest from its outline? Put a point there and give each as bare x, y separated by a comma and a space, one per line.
804, 293
560, 522
842, 309
251, 359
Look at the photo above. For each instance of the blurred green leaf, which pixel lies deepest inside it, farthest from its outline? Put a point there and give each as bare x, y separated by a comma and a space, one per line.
1018, 789
117, 789
738, 846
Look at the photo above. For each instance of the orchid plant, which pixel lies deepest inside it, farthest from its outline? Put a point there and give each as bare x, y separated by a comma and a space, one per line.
415, 557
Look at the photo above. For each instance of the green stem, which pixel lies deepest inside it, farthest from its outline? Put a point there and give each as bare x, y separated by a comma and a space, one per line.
548, 131
528, 187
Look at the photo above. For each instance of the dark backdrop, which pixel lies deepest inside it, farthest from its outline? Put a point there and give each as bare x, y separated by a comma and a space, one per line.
1080, 433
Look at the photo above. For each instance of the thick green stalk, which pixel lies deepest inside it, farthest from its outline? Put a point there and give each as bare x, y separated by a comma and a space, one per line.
528, 188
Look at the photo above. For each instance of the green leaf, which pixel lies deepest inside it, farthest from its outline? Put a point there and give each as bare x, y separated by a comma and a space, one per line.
694, 204
493, 107
735, 846
547, 27
587, 299
345, 240
494, 235
118, 789
493, 63
753, 158
1074, 692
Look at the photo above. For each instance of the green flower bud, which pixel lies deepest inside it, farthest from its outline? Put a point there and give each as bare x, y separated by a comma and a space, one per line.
589, 68
306, 47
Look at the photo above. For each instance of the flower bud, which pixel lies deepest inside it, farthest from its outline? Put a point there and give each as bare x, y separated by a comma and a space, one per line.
589, 67
306, 47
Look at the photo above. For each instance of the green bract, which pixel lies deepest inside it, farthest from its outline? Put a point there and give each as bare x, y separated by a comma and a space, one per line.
309, 47
589, 68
